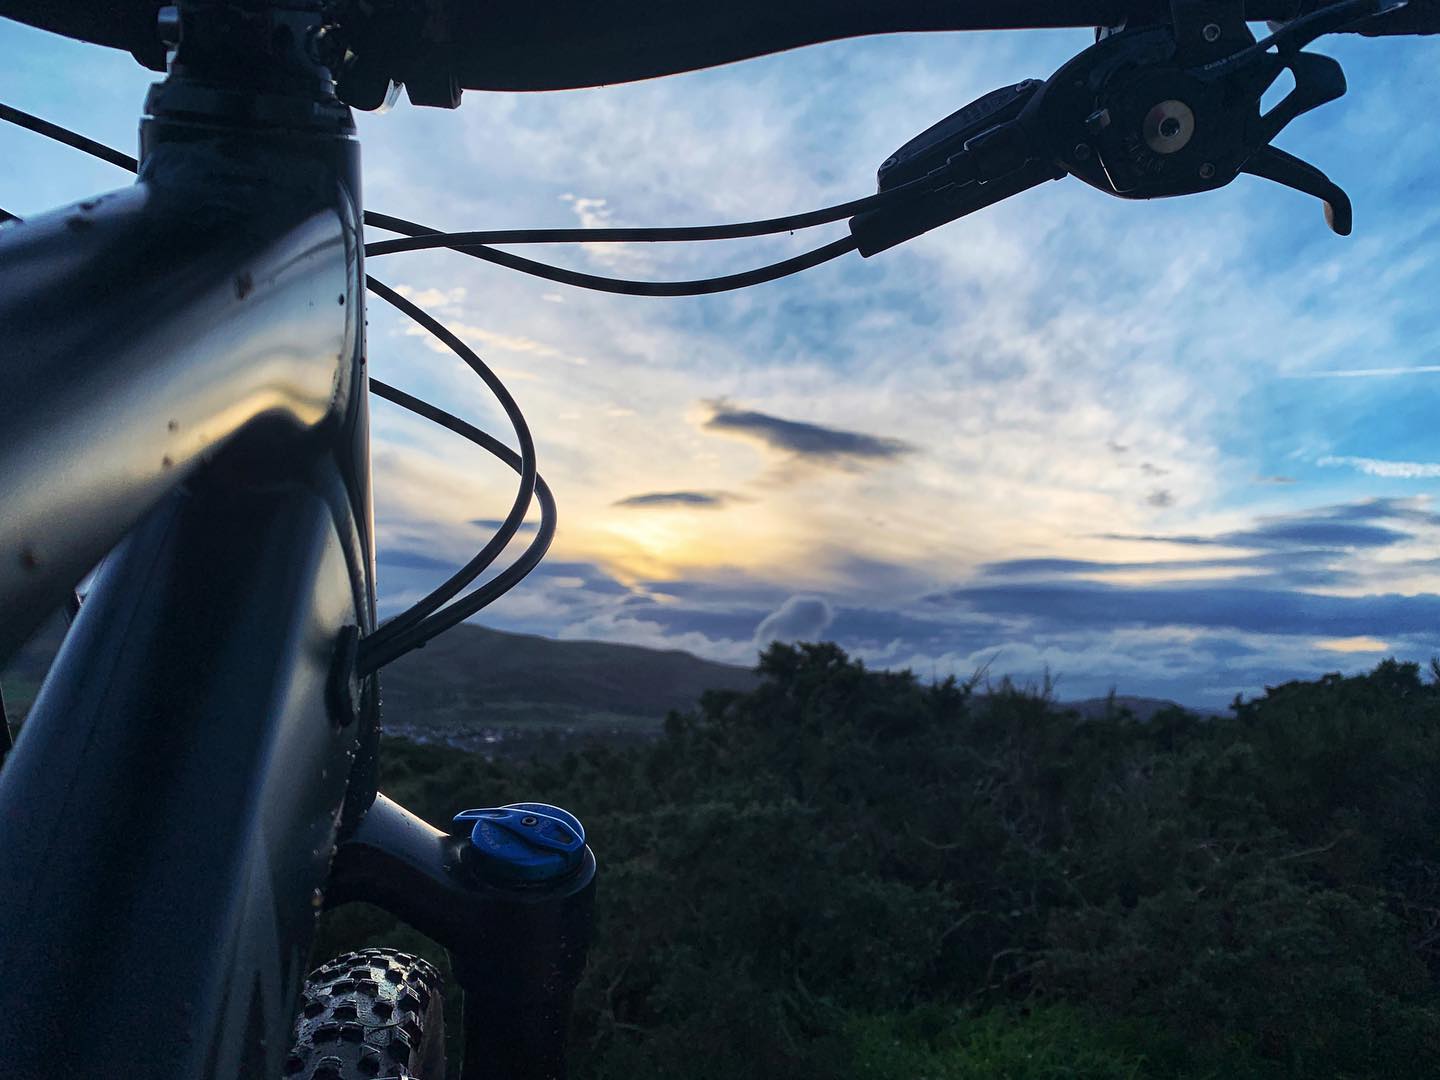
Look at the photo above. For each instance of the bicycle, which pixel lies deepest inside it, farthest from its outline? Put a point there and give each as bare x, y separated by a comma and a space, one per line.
218, 419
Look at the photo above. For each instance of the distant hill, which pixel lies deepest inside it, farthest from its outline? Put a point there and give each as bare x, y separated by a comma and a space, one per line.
474, 684
475, 687
1142, 708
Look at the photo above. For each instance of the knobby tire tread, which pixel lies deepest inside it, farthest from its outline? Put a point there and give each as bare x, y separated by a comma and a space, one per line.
372, 1014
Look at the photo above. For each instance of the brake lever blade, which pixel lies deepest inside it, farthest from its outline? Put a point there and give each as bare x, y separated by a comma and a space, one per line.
1272, 163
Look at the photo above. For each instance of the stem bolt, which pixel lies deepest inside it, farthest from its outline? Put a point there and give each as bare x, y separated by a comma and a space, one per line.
167, 24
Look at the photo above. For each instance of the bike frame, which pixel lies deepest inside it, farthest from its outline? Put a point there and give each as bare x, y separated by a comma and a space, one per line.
191, 363
196, 780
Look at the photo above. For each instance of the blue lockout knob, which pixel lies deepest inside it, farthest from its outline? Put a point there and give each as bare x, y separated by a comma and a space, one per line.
524, 843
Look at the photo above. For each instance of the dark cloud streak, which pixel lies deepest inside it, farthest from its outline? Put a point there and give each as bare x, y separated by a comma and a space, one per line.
809, 441
697, 500
1097, 607
1282, 534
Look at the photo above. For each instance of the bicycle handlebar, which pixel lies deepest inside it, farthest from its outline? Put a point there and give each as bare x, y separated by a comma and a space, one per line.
564, 44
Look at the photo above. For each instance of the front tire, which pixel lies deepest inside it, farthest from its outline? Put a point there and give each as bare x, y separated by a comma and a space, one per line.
370, 1013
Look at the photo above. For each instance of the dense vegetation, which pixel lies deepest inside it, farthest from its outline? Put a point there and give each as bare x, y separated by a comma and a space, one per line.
847, 873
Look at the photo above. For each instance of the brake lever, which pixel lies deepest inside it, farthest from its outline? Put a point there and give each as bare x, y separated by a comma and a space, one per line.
1147, 113
1272, 163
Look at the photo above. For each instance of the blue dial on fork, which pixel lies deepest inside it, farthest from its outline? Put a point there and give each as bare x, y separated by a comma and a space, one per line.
524, 843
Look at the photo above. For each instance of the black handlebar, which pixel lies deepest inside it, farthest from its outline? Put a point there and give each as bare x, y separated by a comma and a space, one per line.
562, 44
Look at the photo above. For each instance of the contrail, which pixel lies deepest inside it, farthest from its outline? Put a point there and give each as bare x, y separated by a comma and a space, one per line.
1368, 373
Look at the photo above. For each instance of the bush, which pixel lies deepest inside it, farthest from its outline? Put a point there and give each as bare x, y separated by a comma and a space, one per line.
850, 873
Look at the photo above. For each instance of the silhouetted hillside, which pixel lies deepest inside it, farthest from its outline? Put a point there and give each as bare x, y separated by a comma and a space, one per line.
1141, 708
473, 684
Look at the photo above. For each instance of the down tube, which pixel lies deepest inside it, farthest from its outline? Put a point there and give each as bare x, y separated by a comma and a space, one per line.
170, 809
139, 333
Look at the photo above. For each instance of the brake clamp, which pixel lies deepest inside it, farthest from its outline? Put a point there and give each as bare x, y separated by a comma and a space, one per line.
1174, 109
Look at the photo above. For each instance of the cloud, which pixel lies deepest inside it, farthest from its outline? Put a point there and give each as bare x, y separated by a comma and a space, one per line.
1412, 508
1323, 533
401, 559
1353, 645
1008, 567
1160, 498
702, 500
483, 339
1347, 526
432, 298
800, 618
811, 442
595, 579
1395, 470
1097, 607
1289, 565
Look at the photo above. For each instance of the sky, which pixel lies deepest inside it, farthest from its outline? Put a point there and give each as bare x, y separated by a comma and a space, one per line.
1183, 448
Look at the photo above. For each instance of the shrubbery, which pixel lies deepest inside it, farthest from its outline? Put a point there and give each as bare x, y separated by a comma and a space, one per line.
849, 873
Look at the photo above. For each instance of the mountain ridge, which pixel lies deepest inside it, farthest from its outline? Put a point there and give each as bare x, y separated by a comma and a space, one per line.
474, 684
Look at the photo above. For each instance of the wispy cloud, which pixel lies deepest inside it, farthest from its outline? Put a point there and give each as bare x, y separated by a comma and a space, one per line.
1336, 528
432, 298
1263, 611
1393, 470
1330, 534
1353, 645
412, 560
482, 339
